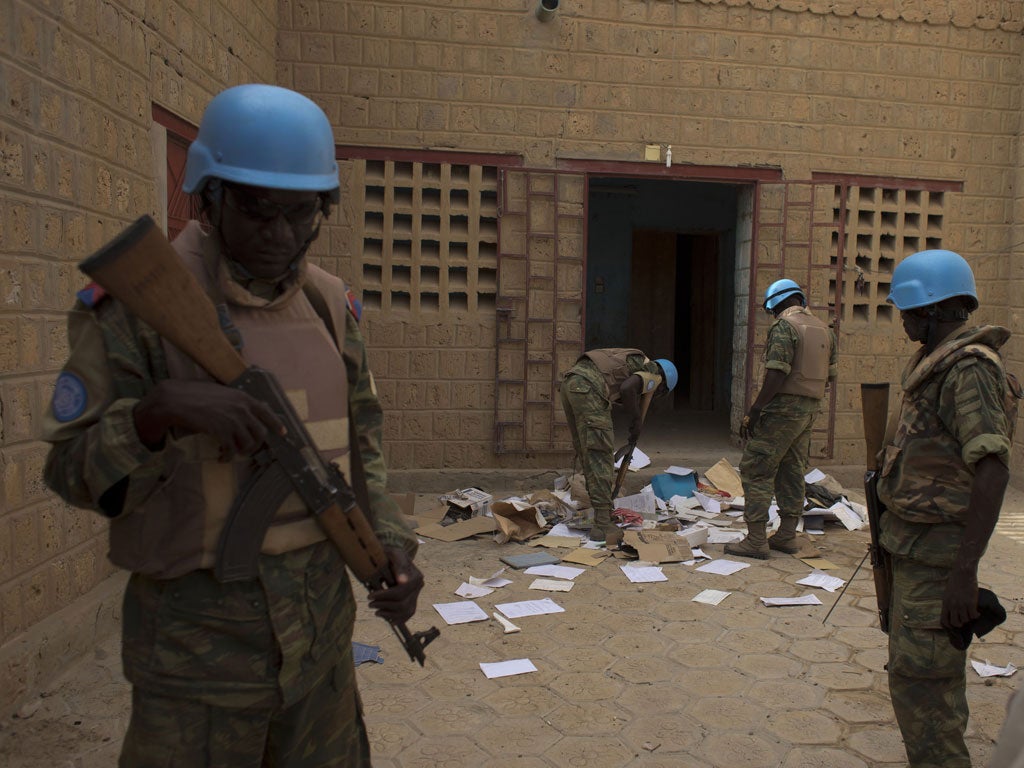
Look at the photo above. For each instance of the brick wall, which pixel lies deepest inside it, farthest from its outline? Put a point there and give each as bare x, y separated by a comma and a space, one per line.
912, 90
77, 84
888, 89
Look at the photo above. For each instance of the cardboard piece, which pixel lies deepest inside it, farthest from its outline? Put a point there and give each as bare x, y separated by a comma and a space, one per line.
461, 530
570, 542
819, 563
433, 515
659, 546
725, 478
514, 524
584, 556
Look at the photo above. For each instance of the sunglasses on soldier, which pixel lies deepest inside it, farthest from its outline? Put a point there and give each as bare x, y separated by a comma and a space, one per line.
260, 208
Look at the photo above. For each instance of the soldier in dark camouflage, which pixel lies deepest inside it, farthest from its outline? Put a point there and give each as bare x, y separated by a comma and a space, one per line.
942, 481
600, 379
256, 672
800, 358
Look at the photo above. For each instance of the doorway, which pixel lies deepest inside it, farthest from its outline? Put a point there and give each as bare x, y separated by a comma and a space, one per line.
661, 273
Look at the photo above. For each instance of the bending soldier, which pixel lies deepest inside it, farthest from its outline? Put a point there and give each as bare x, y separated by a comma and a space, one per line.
600, 379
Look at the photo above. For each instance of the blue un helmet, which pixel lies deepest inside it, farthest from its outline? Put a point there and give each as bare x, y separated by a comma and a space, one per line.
264, 136
671, 374
928, 277
780, 290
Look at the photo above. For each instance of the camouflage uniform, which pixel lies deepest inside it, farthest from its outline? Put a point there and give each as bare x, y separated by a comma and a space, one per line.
952, 416
588, 408
775, 457
245, 673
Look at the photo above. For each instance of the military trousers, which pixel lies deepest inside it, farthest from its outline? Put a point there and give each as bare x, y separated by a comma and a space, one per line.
589, 414
775, 459
325, 729
927, 679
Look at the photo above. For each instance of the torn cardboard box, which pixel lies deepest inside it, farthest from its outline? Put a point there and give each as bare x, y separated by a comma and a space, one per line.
664, 546
514, 523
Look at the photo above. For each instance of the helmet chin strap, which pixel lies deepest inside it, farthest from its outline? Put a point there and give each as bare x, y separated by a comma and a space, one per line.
939, 315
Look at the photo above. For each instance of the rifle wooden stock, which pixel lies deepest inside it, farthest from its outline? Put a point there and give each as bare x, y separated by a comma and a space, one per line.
140, 269
875, 411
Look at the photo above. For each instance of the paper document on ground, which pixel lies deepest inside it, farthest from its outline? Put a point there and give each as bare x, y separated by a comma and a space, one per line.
552, 585
494, 581
725, 478
472, 590
642, 502
639, 460
710, 505
823, 580
716, 536
507, 625
682, 471
529, 608
460, 613
814, 476
555, 571
986, 669
643, 575
723, 567
507, 668
803, 600
850, 519
711, 596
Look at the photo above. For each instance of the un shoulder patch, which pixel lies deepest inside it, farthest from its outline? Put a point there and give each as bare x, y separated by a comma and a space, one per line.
69, 397
91, 295
355, 306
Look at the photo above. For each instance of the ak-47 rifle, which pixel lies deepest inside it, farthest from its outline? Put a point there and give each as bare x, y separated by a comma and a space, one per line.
875, 410
141, 270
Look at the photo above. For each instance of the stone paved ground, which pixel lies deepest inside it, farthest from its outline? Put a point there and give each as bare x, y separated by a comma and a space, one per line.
629, 675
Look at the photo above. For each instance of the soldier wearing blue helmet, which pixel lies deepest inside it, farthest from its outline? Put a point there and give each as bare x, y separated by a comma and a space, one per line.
942, 479
258, 671
800, 359
600, 379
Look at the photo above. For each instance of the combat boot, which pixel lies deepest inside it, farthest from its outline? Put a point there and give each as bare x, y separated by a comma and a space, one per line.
784, 539
602, 523
755, 544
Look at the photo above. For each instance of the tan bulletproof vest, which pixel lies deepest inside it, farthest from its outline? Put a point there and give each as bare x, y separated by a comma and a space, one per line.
287, 338
809, 371
613, 366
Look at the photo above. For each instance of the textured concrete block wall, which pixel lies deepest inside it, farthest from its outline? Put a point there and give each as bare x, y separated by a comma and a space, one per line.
77, 84
889, 89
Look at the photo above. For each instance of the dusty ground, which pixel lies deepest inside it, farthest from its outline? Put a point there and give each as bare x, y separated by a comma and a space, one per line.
628, 675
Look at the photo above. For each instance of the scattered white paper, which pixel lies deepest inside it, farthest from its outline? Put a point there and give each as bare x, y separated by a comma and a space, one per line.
494, 581
680, 503
529, 608
561, 529
823, 580
507, 625
555, 571
987, 669
699, 554
507, 668
803, 600
639, 460
711, 596
552, 585
723, 567
814, 476
682, 471
709, 504
643, 574
471, 590
718, 536
850, 519
642, 502
460, 613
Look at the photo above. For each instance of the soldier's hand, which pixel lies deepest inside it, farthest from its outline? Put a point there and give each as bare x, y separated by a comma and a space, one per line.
398, 602
749, 423
236, 420
960, 601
